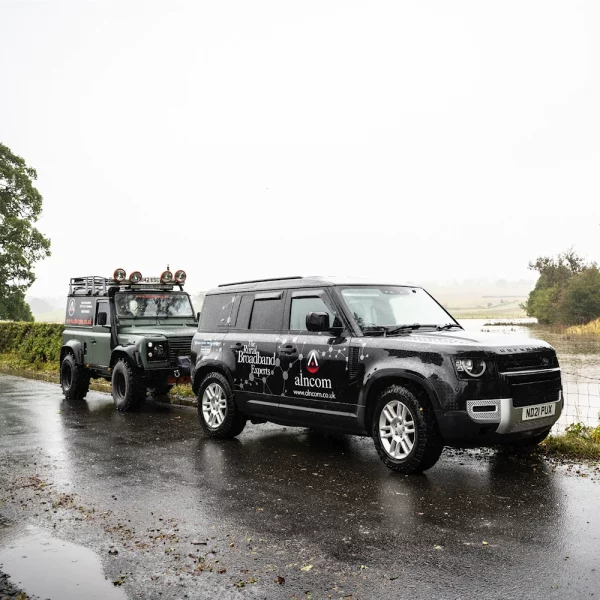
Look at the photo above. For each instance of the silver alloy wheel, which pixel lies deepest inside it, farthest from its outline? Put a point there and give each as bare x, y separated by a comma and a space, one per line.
214, 405
397, 429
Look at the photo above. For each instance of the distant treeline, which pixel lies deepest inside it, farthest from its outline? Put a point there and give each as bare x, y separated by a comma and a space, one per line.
567, 291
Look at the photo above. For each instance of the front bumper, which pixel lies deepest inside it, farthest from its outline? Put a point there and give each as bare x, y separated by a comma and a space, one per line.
508, 417
502, 425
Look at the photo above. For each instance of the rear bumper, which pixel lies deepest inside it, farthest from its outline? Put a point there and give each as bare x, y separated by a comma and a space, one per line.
494, 421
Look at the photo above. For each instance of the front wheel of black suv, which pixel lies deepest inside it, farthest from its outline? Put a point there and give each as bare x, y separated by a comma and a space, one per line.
128, 387
74, 378
405, 431
217, 412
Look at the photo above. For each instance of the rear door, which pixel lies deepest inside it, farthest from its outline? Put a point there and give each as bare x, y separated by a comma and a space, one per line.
252, 344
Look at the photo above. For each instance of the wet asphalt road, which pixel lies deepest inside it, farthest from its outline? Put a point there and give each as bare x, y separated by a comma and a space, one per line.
278, 513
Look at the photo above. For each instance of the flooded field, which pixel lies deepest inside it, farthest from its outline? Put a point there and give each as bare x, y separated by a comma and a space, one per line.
579, 358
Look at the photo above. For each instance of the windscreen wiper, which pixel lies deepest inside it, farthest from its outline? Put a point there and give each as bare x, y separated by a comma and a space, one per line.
402, 329
448, 326
379, 329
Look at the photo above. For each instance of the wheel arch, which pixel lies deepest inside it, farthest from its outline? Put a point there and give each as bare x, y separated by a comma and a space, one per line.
386, 377
208, 367
126, 352
74, 347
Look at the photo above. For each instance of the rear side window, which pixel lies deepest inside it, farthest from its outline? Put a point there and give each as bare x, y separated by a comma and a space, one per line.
266, 314
218, 312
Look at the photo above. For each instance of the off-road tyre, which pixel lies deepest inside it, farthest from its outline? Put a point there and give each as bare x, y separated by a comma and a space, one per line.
233, 422
427, 446
74, 378
128, 387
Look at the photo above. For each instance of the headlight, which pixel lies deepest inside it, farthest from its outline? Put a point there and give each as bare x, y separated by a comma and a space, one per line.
474, 367
166, 277
135, 277
157, 350
180, 276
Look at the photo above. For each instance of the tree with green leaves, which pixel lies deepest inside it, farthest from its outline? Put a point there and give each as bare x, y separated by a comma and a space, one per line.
567, 290
21, 244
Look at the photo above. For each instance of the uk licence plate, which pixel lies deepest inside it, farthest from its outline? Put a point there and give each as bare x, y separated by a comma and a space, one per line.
538, 411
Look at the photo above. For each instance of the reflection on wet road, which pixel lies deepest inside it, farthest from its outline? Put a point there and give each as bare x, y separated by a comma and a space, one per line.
282, 511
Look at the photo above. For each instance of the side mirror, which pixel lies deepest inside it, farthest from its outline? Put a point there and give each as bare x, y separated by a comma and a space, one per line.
198, 317
101, 319
317, 321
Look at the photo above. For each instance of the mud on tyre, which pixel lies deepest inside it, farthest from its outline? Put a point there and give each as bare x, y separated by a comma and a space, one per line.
128, 386
217, 413
74, 378
405, 431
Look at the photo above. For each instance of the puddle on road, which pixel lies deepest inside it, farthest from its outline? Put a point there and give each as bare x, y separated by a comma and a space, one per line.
48, 567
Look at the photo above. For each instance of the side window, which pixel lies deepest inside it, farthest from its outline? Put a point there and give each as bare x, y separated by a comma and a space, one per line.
104, 307
266, 314
301, 306
212, 316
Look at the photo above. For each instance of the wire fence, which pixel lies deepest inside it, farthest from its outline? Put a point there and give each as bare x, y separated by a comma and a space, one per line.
582, 401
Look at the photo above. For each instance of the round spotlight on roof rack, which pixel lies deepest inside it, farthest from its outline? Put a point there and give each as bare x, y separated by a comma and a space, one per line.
120, 274
180, 276
135, 277
166, 277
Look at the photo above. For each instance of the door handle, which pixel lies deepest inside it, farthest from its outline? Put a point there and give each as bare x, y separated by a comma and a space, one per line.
237, 346
94, 342
289, 349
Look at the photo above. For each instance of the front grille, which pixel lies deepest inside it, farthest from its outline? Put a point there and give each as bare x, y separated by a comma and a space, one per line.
530, 361
180, 346
535, 389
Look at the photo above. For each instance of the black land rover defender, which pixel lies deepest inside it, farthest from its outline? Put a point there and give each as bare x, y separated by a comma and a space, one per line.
134, 332
381, 360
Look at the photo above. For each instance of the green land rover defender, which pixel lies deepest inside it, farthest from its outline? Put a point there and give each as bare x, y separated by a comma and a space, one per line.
135, 332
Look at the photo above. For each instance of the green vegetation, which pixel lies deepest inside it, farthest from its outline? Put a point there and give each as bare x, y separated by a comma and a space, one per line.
567, 291
21, 244
34, 349
578, 442
30, 345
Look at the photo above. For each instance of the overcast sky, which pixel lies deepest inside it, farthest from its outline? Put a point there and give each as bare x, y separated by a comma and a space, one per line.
411, 140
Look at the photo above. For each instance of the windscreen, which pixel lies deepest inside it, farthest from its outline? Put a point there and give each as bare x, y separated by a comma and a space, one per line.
393, 306
153, 304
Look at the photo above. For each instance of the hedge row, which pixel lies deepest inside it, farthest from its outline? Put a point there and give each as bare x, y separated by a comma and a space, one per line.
32, 343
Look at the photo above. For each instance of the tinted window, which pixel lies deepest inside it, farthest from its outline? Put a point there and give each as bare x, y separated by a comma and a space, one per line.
266, 314
212, 315
301, 306
103, 307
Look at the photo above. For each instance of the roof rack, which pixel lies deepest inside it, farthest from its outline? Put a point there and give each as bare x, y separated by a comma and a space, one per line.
92, 284
261, 280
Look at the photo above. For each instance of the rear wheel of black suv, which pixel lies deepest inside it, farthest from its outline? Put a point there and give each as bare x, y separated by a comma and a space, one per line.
128, 387
405, 431
217, 412
74, 378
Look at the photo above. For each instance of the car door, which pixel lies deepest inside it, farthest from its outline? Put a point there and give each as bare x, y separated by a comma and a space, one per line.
98, 349
316, 388
253, 344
